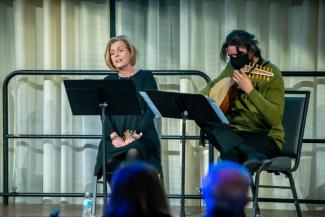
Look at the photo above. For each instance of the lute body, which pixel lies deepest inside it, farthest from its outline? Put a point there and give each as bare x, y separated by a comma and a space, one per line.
224, 91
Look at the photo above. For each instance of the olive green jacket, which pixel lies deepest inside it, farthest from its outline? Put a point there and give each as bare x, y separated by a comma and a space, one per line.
259, 111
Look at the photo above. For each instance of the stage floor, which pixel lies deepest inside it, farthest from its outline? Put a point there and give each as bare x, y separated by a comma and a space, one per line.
75, 210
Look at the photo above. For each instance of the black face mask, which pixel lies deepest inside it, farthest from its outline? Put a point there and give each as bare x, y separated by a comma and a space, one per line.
239, 61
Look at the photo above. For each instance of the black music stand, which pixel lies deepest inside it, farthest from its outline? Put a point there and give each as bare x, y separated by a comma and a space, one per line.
183, 106
104, 98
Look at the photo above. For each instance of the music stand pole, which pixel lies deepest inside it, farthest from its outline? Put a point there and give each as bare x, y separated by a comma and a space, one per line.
103, 107
184, 117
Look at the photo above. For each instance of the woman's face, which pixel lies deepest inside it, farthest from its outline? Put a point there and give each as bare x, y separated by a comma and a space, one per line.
120, 55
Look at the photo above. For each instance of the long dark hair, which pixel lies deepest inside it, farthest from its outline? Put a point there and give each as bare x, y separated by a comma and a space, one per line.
240, 38
136, 191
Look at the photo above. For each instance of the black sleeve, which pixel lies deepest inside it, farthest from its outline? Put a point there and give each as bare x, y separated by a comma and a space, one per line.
147, 118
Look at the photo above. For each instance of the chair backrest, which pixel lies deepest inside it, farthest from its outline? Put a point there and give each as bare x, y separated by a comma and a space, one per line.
294, 119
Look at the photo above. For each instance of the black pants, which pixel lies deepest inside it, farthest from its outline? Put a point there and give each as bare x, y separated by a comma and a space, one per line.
238, 145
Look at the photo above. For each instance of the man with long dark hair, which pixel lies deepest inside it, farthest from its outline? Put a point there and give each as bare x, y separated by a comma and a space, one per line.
255, 109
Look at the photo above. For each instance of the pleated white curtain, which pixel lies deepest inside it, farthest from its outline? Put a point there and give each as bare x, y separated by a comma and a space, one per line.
184, 34
51, 35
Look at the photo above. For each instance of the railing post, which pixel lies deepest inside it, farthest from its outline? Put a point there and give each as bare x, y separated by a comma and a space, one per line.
5, 150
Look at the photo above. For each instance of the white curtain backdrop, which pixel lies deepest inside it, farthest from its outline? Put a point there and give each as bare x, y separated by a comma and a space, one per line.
183, 34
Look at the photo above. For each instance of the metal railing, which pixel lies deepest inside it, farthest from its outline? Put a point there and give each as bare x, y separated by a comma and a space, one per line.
6, 136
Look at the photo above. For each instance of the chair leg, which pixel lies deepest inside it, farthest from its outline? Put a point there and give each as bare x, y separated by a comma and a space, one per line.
256, 210
294, 193
254, 195
93, 212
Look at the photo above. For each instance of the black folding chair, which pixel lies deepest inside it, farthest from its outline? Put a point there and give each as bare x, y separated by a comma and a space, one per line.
294, 119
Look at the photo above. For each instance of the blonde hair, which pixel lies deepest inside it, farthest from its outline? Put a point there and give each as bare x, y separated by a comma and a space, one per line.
129, 45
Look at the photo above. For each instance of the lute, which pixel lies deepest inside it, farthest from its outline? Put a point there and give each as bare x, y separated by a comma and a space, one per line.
224, 91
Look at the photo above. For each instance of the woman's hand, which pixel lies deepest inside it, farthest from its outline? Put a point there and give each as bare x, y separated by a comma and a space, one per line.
244, 83
137, 135
132, 138
118, 141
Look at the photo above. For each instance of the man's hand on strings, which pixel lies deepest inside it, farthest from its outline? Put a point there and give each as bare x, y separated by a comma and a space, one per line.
242, 80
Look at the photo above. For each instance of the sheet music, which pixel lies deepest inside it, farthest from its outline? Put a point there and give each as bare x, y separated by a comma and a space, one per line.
217, 110
150, 104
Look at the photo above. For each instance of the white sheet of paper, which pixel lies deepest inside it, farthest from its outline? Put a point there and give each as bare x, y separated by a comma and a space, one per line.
217, 110
150, 104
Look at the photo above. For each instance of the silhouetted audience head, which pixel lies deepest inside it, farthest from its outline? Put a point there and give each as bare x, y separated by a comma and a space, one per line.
137, 191
225, 189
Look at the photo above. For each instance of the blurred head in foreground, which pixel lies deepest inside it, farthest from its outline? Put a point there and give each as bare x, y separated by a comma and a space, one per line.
225, 189
137, 191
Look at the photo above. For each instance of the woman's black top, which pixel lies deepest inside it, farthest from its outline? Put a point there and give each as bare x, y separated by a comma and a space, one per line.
148, 145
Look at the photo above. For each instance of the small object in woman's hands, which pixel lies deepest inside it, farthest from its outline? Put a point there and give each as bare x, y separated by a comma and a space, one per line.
130, 136
127, 134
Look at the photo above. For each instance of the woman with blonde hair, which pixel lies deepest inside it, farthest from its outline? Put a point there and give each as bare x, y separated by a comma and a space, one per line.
130, 137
